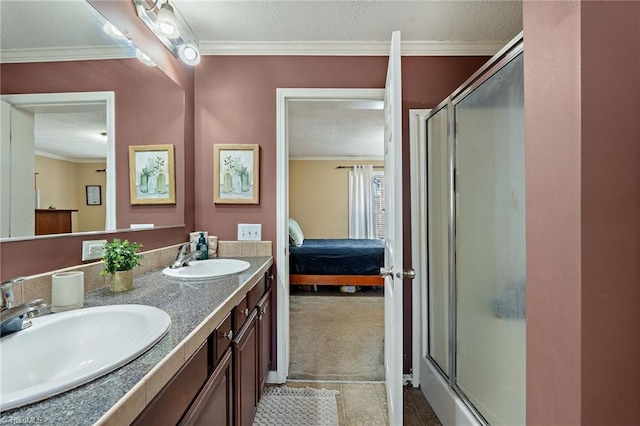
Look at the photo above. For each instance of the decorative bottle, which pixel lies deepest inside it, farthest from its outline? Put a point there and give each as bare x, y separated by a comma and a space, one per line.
244, 179
144, 181
161, 187
202, 248
227, 184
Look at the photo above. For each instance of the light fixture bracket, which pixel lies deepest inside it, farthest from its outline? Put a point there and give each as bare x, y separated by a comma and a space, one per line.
148, 10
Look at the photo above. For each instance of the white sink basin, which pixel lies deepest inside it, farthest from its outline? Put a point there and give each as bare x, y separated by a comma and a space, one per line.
65, 350
210, 268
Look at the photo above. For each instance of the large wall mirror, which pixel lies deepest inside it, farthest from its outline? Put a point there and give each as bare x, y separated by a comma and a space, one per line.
75, 95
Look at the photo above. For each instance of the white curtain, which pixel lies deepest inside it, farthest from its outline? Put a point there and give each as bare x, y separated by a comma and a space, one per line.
361, 206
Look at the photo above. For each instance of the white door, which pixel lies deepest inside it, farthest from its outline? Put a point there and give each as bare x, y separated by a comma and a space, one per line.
17, 191
393, 271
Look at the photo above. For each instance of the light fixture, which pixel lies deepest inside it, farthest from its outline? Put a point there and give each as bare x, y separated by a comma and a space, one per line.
170, 28
144, 58
189, 53
110, 29
166, 22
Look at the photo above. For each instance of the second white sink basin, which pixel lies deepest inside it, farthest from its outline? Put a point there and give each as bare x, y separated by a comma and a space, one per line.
65, 350
210, 268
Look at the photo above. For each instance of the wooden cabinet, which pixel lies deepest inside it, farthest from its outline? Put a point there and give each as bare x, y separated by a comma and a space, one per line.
173, 400
245, 371
222, 382
264, 340
53, 221
214, 405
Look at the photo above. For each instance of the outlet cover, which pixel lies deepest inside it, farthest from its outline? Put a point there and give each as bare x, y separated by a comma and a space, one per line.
92, 249
249, 232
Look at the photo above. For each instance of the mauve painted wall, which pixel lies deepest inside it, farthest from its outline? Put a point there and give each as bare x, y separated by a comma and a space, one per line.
236, 103
17, 258
610, 212
144, 97
582, 106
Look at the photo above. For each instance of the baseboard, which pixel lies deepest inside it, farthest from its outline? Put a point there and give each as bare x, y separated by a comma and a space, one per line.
272, 377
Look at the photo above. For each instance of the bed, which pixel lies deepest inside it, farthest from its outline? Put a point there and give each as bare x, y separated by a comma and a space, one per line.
337, 262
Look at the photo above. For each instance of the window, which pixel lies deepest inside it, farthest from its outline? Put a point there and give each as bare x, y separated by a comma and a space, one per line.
378, 202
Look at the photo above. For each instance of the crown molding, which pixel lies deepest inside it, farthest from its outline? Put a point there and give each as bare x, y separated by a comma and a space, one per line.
239, 48
9, 56
339, 48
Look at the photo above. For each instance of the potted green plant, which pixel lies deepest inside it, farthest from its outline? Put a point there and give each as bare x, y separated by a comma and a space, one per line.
120, 257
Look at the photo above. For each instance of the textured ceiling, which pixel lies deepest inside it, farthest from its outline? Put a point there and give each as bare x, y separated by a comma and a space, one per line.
73, 135
332, 131
349, 20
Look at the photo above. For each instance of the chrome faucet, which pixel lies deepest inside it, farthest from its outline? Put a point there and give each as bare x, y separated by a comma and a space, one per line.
18, 318
184, 256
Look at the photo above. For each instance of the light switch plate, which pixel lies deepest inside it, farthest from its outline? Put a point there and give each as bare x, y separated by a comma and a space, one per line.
249, 232
92, 249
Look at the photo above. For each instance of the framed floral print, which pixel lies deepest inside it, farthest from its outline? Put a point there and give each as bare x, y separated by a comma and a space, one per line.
236, 174
152, 174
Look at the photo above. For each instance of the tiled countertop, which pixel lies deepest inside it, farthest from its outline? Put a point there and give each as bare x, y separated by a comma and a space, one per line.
195, 308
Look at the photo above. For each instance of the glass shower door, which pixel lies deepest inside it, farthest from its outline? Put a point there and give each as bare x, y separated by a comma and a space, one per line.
438, 199
490, 261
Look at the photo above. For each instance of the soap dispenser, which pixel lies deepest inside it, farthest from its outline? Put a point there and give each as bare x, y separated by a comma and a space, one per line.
202, 248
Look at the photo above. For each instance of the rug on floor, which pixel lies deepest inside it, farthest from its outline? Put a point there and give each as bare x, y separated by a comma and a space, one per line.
336, 338
284, 406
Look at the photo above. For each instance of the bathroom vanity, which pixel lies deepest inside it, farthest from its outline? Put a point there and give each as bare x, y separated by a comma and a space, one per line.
209, 368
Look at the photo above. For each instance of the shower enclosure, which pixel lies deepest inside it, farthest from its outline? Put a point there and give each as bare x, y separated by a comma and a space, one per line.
474, 340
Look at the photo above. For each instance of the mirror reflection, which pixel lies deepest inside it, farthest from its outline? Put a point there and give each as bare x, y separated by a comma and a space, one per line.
65, 167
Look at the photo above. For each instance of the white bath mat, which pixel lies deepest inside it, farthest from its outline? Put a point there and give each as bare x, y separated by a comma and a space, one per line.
283, 406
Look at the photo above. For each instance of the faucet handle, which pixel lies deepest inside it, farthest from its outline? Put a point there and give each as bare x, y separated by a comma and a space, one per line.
6, 287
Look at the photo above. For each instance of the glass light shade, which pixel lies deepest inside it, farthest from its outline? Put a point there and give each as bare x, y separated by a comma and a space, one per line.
166, 22
144, 58
189, 53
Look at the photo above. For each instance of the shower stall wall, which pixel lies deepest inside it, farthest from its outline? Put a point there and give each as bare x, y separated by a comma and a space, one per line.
474, 360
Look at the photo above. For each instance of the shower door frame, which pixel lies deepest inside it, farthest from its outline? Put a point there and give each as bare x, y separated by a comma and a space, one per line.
448, 400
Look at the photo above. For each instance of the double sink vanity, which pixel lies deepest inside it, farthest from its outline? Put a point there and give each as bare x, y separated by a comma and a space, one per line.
209, 367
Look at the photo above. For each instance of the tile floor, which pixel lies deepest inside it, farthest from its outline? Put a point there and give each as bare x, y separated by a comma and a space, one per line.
365, 404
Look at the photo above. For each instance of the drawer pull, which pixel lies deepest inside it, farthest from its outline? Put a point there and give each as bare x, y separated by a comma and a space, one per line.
270, 277
228, 334
246, 312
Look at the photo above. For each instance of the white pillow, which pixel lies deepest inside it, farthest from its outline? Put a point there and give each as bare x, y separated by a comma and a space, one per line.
295, 233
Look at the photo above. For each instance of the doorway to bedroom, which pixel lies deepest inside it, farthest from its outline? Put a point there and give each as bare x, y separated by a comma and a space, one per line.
335, 202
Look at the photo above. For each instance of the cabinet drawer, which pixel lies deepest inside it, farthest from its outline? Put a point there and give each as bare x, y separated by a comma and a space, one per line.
241, 313
256, 293
223, 336
173, 400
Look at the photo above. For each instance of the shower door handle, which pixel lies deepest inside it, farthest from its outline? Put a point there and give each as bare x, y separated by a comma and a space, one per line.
406, 273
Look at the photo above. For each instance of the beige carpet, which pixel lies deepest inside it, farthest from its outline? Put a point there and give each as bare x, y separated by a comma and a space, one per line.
336, 338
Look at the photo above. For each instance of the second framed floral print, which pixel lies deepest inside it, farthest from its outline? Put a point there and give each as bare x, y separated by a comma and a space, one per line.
236, 174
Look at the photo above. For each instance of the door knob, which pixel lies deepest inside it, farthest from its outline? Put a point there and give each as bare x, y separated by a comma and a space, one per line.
406, 273
386, 272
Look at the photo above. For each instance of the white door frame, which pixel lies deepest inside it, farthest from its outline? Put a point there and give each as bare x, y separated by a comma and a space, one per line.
283, 97
80, 98
418, 159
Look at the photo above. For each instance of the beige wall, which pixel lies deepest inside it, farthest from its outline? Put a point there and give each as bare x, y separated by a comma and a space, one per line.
91, 218
62, 184
57, 182
319, 196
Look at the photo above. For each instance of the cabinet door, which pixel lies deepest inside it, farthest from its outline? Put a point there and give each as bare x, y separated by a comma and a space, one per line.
214, 405
245, 371
264, 340
172, 401
222, 339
